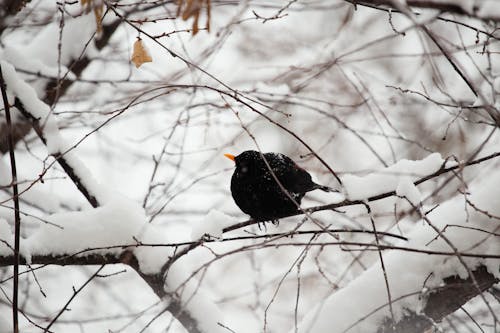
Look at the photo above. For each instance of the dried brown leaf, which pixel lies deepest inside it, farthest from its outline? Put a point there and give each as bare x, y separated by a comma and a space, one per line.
193, 9
87, 5
140, 55
208, 16
195, 23
98, 9
98, 17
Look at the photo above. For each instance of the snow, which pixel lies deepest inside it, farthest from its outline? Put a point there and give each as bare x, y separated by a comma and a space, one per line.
75, 35
35, 193
152, 259
6, 239
388, 179
101, 192
54, 141
489, 9
105, 230
212, 224
5, 325
467, 5
195, 298
288, 63
17, 57
5, 174
117, 223
33, 105
407, 271
42, 53
496, 85
406, 189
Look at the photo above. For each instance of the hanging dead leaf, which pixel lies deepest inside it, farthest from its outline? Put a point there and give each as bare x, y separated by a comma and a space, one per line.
98, 17
87, 5
140, 54
208, 16
193, 9
98, 8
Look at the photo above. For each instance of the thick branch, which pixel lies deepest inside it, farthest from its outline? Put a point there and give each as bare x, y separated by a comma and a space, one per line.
155, 281
13, 6
59, 157
65, 260
442, 301
450, 6
347, 202
15, 198
19, 131
57, 88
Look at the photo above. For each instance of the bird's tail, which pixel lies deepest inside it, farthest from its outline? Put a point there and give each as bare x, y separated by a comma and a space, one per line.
326, 188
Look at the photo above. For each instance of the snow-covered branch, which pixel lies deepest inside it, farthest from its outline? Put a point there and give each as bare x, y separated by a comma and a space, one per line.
378, 192
96, 237
75, 60
480, 9
435, 284
441, 302
122, 169
26, 101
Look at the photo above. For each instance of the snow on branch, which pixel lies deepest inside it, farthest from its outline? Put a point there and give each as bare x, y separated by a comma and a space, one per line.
25, 99
40, 57
480, 9
423, 285
395, 178
28, 58
89, 234
96, 236
442, 301
114, 233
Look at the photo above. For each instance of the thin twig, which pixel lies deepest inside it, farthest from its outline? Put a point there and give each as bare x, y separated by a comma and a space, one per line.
382, 265
75, 293
15, 198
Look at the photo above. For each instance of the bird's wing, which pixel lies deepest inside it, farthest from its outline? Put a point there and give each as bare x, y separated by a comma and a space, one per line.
291, 176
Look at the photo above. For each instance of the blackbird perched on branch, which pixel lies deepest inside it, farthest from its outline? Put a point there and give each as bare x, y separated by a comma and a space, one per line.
268, 191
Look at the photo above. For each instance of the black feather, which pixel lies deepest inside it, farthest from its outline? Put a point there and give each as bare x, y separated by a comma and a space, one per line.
269, 191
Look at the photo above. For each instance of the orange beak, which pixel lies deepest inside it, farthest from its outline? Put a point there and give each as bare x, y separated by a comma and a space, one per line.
231, 157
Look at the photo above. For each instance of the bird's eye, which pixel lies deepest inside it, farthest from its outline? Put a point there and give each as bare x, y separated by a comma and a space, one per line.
244, 169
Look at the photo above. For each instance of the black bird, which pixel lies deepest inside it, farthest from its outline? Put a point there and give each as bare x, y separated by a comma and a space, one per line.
258, 193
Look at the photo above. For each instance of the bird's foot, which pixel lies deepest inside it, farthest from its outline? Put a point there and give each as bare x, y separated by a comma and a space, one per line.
275, 222
262, 225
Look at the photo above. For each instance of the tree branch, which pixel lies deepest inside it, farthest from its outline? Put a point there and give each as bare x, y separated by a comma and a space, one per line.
347, 202
15, 198
450, 6
442, 301
56, 88
35, 124
126, 257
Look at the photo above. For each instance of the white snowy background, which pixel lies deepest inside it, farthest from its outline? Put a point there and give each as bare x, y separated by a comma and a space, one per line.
366, 89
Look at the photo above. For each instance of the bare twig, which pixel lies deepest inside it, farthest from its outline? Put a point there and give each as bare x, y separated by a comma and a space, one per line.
15, 198
450, 6
75, 293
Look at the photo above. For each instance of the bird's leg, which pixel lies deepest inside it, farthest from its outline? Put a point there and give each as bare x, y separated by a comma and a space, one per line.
262, 225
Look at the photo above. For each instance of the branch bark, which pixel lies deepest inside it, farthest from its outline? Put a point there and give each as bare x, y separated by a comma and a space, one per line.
15, 198
155, 281
347, 202
442, 302
58, 156
55, 88
450, 6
